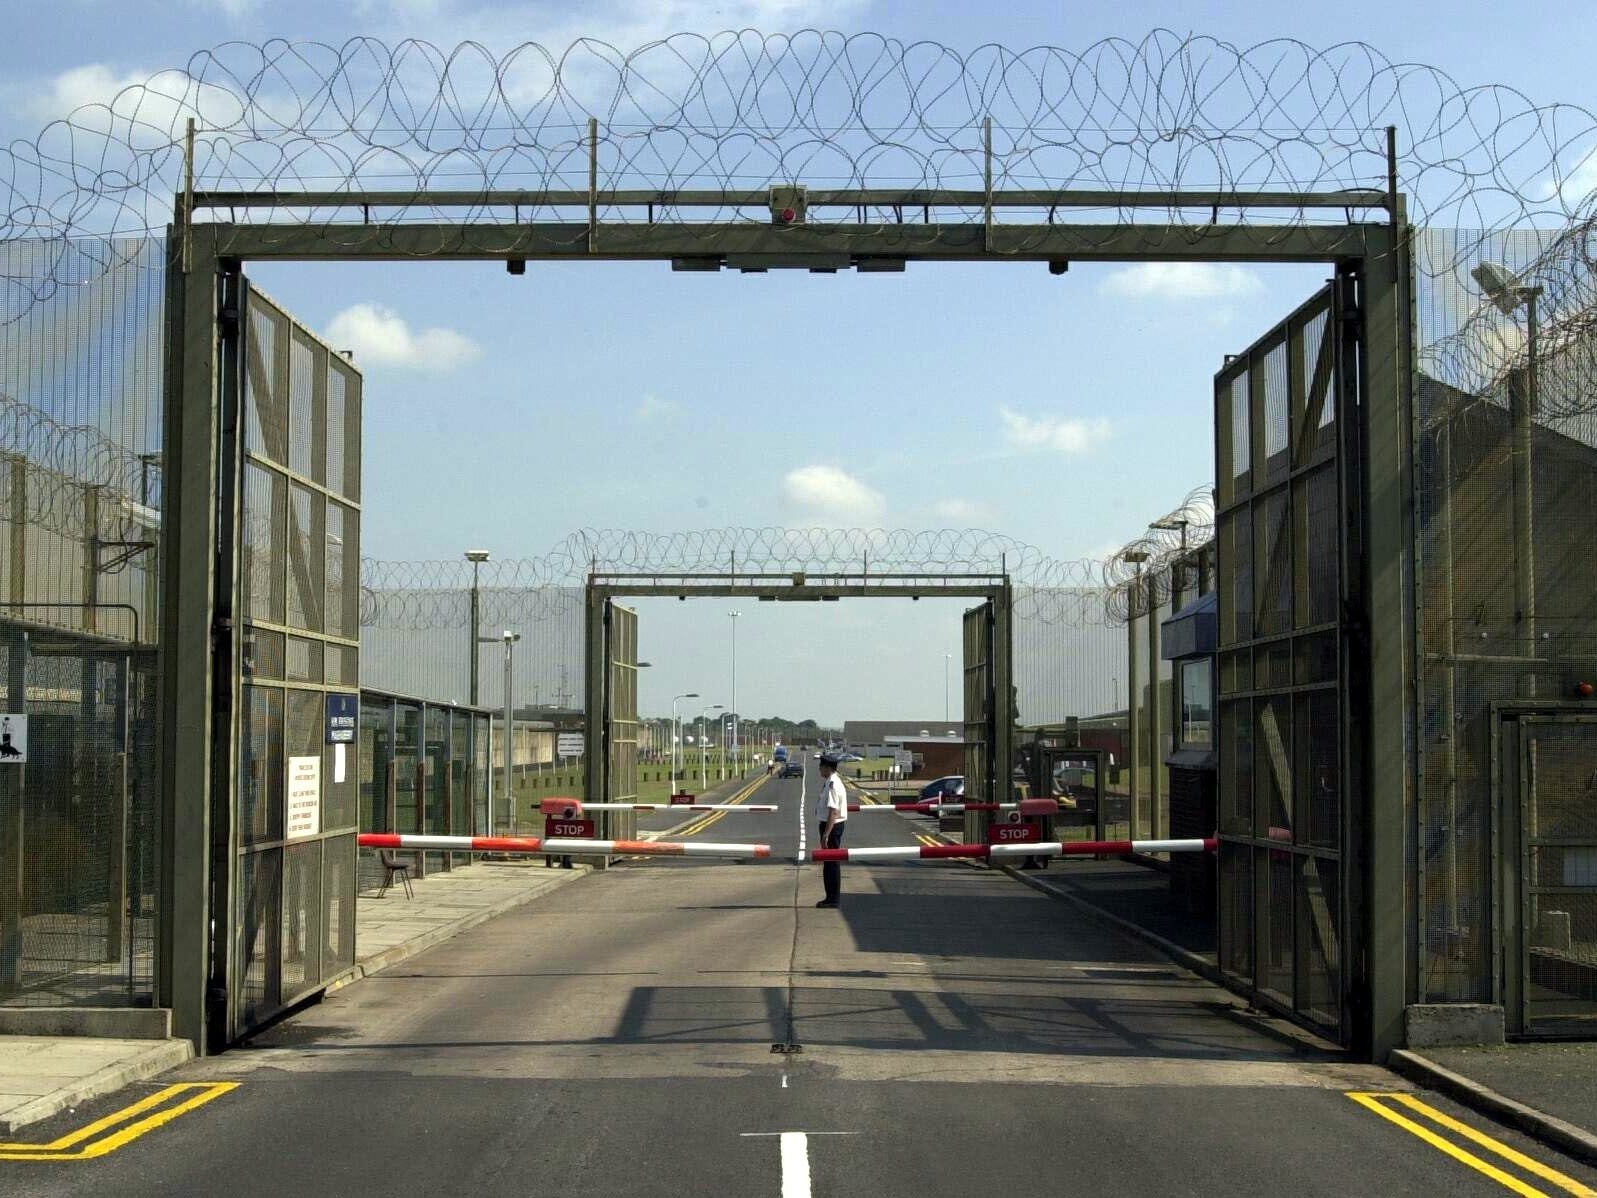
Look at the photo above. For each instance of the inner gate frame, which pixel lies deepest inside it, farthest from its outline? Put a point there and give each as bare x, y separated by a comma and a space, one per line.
200, 640
988, 682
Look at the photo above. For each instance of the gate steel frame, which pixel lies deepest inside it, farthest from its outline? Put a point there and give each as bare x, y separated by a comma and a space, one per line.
793, 587
195, 630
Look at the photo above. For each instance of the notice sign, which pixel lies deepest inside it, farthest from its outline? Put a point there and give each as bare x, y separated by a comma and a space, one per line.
569, 744
343, 715
13, 739
304, 797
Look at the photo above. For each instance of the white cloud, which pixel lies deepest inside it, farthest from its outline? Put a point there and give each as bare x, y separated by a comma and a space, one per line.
652, 408
1182, 281
833, 493
380, 337
1052, 432
1575, 183
961, 511
155, 104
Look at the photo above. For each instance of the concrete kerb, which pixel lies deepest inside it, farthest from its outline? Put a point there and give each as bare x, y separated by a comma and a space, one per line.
1548, 1129
151, 1059
393, 955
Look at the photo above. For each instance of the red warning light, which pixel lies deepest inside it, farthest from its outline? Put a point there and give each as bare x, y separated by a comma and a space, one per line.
789, 216
1584, 690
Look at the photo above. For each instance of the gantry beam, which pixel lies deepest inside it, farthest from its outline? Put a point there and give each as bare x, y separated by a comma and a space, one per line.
823, 246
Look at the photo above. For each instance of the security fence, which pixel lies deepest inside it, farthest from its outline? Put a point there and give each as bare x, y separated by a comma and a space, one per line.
1506, 853
80, 493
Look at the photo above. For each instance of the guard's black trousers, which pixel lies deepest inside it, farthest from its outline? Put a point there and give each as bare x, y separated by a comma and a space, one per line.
832, 871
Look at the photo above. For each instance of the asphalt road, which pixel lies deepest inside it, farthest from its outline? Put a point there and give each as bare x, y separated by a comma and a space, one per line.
961, 1035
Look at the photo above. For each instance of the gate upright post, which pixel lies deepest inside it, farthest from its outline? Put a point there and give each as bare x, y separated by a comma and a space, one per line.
190, 436
1383, 815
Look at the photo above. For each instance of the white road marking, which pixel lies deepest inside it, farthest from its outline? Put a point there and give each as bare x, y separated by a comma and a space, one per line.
784, 1081
804, 786
795, 1165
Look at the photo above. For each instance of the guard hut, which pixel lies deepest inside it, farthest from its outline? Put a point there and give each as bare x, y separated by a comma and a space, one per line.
1189, 639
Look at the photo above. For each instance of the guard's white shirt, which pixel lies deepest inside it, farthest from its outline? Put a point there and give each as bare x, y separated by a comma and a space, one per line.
833, 797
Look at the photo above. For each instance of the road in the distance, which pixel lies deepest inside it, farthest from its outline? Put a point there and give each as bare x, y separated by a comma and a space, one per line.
961, 1035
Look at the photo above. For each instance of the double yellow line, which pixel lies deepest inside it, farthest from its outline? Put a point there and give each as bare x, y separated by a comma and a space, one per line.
694, 827
1387, 1105
927, 839
120, 1128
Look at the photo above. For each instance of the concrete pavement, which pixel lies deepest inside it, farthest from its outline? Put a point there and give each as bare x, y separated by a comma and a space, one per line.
960, 1034
42, 1075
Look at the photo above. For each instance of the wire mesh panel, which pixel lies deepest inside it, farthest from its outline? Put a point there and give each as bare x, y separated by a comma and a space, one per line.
298, 794
80, 495
978, 674
1506, 483
1559, 876
622, 702
1281, 799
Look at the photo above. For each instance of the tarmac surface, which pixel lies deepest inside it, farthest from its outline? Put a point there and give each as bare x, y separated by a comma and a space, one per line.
959, 1034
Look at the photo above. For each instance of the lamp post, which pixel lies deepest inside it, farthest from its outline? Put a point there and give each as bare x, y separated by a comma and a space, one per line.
1510, 293
947, 660
734, 615
476, 557
704, 780
676, 734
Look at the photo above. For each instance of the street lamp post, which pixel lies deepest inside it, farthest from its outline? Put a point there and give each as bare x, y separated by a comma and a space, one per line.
676, 734
947, 661
735, 746
704, 778
476, 557
1510, 293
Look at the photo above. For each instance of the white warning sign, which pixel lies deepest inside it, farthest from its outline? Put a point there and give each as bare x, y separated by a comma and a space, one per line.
13, 739
304, 816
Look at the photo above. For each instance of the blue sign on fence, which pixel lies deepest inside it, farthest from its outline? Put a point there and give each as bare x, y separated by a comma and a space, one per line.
343, 717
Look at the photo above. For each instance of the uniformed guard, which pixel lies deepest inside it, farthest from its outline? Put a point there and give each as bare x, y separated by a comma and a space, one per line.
831, 812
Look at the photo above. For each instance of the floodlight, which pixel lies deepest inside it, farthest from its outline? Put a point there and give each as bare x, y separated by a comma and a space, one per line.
476, 555
1501, 285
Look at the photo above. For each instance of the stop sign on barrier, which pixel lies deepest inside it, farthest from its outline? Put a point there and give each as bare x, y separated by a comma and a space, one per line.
1026, 833
578, 828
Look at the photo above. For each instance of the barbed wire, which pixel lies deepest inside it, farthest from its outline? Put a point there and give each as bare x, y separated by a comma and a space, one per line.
1489, 347
1145, 572
741, 110
63, 462
1081, 592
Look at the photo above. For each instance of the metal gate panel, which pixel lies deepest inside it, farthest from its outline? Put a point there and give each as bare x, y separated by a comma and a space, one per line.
1558, 875
611, 751
293, 576
1285, 505
978, 676
621, 699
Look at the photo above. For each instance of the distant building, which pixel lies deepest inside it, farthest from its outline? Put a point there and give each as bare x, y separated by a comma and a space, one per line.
876, 732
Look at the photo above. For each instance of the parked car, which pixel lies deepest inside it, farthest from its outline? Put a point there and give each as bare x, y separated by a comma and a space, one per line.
793, 769
943, 790
850, 757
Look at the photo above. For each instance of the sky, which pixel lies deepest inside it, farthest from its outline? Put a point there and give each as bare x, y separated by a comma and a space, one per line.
506, 412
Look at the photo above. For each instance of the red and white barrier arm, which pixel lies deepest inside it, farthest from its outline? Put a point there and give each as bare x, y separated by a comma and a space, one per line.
1054, 848
680, 807
555, 845
929, 808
